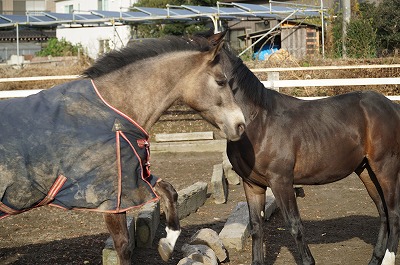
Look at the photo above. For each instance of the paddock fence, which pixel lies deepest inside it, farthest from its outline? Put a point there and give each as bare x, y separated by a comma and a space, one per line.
273, 81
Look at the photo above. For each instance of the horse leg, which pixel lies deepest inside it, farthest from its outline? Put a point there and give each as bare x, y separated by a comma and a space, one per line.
286, 201
116, 224
173, 229
256, 202
391, 196
370, 183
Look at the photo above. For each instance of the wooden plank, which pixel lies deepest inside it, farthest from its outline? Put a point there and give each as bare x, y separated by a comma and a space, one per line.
179, 137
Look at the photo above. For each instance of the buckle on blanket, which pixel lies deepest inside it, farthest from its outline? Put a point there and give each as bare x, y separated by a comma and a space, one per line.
142, 143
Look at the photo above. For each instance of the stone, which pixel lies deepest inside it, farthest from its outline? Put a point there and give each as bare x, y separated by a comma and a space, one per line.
237, 228
191, 198
232, 177
200, 253
147, 223
210, 238
189, 261
219, 185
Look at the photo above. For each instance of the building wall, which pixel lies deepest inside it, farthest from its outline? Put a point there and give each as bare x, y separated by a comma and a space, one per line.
96, 40
20, 7
64, 6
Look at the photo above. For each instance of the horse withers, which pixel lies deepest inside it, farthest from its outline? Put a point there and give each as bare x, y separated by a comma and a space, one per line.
84, 144
290, 141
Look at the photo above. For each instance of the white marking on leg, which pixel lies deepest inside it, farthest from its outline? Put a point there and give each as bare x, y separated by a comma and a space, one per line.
389, 258
172, 236
262, 214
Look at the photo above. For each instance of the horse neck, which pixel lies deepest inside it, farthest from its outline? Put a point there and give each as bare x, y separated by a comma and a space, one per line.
144, 90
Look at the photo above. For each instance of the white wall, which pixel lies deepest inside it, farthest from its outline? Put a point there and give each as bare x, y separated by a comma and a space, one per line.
90, 37
86, 5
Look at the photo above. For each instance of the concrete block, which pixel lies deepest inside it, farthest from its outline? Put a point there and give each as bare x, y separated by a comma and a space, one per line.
237, 228
232, 177
109, 254
210, 238
147, 223
177, 137
191, 198
189, 146
219, 185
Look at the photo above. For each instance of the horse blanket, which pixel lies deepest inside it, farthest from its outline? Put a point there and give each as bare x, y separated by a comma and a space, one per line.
67, 147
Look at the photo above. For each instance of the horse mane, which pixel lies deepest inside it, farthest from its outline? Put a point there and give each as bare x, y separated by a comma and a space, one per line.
141, 50
247, 82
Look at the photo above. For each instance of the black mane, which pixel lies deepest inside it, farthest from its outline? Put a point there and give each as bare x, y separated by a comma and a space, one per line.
143, 49
249, 83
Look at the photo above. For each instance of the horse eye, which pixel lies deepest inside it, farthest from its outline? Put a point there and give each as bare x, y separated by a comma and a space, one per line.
221, 82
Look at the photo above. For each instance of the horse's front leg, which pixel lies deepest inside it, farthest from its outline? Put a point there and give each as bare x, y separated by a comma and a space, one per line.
256, 201
286, 201
116, 224
170, 198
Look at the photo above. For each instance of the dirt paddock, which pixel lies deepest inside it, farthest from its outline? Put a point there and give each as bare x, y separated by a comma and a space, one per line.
340, 220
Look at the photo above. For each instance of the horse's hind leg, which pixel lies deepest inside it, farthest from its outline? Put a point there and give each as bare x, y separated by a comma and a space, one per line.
116, 224
170, 198
370, 183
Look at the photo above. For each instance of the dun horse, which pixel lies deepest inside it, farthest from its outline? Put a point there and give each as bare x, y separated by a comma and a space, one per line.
83, 144
290, 141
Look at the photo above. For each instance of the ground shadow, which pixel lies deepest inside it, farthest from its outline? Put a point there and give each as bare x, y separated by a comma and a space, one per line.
318, 233
80, 250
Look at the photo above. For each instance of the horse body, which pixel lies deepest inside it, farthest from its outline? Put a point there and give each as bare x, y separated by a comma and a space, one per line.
290, 141
135, 85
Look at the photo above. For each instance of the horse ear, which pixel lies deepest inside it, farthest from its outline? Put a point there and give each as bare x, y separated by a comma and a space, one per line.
215, 39
216, 42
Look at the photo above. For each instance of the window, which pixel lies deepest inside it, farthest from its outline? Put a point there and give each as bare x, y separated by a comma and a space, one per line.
38, 5
102, 5
19, 7
68, 9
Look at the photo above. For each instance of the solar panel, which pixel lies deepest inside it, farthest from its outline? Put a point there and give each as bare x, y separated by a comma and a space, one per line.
252, 7
104, 14
200, 9
152, 11
15, 18
59, 16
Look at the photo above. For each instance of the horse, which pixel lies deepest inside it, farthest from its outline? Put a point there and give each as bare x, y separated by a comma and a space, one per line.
84, 144
290, 141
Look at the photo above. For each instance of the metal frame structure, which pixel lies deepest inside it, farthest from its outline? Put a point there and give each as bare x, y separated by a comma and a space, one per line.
170, 14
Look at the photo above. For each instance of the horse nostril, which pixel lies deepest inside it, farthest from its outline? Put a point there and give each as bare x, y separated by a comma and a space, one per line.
241, 127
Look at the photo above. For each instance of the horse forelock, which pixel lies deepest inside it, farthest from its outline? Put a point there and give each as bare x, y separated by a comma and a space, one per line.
141, 50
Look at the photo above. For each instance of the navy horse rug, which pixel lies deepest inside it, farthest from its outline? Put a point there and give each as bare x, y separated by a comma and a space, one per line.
69, 148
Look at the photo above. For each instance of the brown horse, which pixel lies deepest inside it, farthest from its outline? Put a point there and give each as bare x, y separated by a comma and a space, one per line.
290, 141
84, 144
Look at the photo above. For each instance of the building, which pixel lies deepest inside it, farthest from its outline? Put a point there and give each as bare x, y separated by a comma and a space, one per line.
20, 7
96, 39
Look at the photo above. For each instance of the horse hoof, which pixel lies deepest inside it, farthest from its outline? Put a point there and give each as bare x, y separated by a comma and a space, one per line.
165, 249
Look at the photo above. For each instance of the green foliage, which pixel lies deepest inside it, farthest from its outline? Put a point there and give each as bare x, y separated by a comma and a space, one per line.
361, 34
386, 19
361, 39
55, 47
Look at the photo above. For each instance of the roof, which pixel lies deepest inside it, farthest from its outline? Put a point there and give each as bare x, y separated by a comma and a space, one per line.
229, 11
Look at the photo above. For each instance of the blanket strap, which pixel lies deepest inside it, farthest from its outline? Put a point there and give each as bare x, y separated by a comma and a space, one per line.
5, 209
57, 185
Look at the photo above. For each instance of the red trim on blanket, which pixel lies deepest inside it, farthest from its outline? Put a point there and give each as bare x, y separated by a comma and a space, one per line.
118, 111
119, 169
55, 188
51, 194
140, 161
8, 210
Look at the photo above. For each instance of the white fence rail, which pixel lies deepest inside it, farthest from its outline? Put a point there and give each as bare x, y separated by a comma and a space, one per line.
273, 81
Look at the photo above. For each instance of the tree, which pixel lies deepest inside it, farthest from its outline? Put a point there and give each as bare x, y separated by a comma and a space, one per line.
55, 47
387, 22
